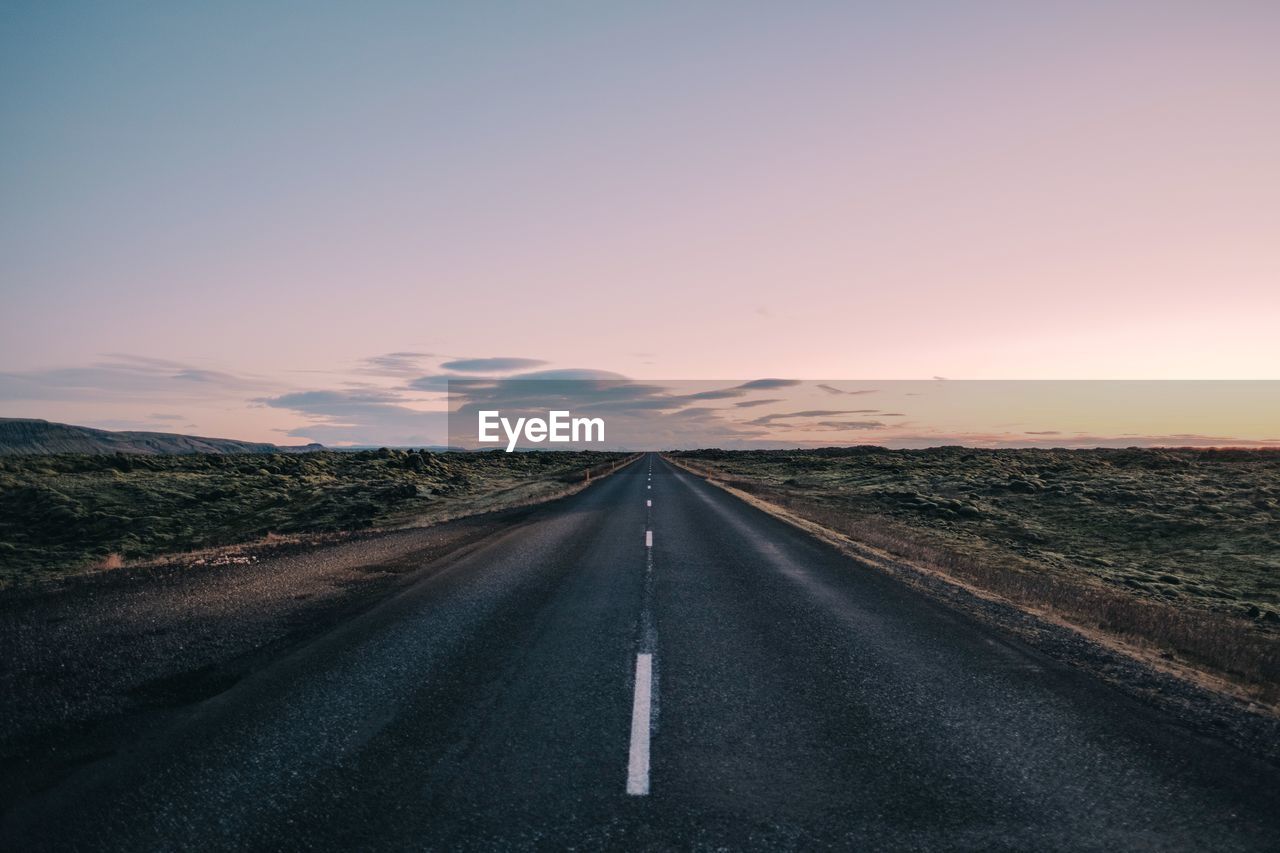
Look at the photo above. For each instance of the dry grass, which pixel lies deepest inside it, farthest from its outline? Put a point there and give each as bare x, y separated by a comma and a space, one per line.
250, 550
1224, 646
110, 561
60, 515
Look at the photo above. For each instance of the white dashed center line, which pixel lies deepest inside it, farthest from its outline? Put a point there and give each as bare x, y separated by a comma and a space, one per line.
638, 764
642, 705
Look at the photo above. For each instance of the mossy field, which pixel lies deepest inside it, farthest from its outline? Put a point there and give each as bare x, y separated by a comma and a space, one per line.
1174, 553
1196, 527
60, 514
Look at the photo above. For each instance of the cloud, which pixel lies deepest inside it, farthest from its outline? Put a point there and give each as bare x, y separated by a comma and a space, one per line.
576, 389
740, 391
577, 374
324, 402
365, 414
748, 404
394, 364
1043, 432
472, 384
122, 425
491, 365
697, 413
735, 391
121, 377
850, 425
715, 394
434, 382
124, 359
212, 376
361, 416
758, 384
163, 417
767, 420
831, 389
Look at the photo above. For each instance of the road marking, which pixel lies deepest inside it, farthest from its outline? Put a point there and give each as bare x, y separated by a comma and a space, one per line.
648, 487
648, 503
648, 539
638, 764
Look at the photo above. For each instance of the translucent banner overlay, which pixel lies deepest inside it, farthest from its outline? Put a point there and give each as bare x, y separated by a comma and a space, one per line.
645, 414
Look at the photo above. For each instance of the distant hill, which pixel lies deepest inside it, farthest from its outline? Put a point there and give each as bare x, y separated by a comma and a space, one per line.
28, 436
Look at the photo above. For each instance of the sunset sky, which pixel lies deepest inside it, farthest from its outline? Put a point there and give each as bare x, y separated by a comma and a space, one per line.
279, 221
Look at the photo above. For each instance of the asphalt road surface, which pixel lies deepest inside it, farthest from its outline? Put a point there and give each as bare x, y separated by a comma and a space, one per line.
652, 664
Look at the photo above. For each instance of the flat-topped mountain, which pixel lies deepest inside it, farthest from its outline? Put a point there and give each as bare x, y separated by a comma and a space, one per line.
30, 436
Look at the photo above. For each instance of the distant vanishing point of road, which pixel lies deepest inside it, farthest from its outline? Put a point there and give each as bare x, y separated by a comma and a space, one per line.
653, 664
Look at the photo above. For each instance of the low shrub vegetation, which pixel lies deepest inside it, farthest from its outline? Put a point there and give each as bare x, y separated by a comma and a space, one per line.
64, 513
1177, 550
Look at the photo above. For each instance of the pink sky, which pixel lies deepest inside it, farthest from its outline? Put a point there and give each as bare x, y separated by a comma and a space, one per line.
968, 190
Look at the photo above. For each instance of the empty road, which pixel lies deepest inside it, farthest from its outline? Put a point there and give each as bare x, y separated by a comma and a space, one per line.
652, 664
